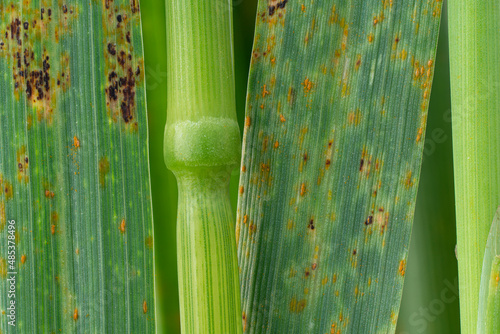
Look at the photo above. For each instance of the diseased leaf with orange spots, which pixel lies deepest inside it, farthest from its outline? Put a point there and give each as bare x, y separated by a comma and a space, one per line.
74, 167
324, 230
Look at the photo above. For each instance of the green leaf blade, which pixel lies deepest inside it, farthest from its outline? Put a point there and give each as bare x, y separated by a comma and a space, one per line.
489, 294
74, 148
336, 115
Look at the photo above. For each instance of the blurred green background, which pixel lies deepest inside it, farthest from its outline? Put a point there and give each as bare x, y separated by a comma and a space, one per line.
430, 297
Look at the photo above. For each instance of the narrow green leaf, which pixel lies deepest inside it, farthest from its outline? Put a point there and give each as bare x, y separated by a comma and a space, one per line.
489, 293
475, 96
74, 168
336, 115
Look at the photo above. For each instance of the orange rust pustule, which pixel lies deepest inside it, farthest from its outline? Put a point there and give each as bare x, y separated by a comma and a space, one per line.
402, 267
122, 226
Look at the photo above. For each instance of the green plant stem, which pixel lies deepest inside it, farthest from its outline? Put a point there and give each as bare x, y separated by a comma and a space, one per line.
202, 146
475, 69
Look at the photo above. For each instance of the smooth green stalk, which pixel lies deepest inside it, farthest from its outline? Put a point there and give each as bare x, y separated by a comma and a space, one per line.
489, 298
202, 146
475, 69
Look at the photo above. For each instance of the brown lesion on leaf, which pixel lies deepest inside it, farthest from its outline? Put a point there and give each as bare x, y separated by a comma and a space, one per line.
32, 74
354, 117
297, 306
252, 228
39, 90
149, 242
8, 191
365, 163
54, 220
244, 319
3, 268
124, 71
334, 16
409, 180
22, 162
108, 4
291, 95
311, 225
328, 163
275, 6
369, 220
303, 161
3, 218
310, 32
256, 55
395, 45
134, 6
358, 62
265, 143
382, 219
63, 80
103, 171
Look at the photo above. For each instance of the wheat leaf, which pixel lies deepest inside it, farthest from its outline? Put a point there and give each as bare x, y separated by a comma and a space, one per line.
335, 122
489, 294
74, 168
